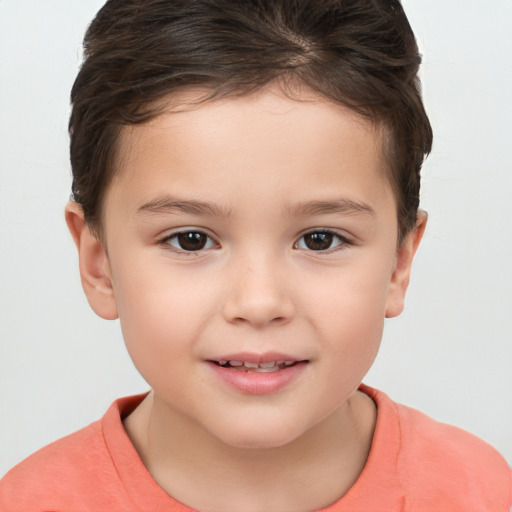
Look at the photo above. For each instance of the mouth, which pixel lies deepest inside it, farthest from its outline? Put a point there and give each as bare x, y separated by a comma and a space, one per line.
258, 374
250, 366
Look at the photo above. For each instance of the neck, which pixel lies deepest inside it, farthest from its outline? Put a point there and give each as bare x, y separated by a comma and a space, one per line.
202, 472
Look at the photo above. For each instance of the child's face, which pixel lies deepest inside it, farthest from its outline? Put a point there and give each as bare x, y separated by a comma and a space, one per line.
252, 229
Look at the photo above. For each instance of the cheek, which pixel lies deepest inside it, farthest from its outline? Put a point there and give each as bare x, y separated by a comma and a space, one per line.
161, 313
347, 311
351, 298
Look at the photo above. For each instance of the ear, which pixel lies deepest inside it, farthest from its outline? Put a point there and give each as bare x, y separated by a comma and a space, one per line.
93, 261
402, 270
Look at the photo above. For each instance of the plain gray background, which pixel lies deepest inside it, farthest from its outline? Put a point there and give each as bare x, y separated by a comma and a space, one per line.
449, 354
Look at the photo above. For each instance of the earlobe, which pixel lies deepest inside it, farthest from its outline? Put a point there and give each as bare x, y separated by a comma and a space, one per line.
94, 266
402, 270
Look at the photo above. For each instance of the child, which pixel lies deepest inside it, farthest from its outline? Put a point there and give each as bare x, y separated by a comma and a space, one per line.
245, 200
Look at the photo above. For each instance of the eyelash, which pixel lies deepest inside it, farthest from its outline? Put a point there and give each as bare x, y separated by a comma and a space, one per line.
343, 242
166, 242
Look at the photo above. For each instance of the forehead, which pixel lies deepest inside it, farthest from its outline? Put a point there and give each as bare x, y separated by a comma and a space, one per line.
251, 114
264, 139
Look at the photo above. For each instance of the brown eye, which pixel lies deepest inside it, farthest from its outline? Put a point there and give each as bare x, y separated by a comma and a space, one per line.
190, 241
320, 241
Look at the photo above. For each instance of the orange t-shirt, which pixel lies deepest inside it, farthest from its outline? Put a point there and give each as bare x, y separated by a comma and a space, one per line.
416, 464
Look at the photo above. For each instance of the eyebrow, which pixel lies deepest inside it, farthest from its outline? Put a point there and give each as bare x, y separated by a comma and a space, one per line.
170, 205
342, 206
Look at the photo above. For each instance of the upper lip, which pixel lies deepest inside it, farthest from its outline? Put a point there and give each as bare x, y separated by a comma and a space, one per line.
251, 357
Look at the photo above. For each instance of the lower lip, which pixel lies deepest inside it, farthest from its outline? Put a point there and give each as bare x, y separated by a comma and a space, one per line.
256, 383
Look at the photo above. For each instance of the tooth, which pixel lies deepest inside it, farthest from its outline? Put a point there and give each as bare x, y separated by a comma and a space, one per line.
250, 365
268, 365
268, 370
236, 363
288, 363
222, 363
278, 363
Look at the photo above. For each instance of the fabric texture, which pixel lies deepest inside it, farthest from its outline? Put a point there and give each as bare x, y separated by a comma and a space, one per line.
415, 465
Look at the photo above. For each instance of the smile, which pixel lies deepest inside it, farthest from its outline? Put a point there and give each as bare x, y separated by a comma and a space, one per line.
248, 366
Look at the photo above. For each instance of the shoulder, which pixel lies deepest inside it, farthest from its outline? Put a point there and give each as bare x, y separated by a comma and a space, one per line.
430, 465
440, 463
50, 472
61, 475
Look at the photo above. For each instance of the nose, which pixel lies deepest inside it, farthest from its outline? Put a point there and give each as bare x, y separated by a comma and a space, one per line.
258, 294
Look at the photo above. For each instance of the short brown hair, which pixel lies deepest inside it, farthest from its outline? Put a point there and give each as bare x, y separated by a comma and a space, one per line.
359, 53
